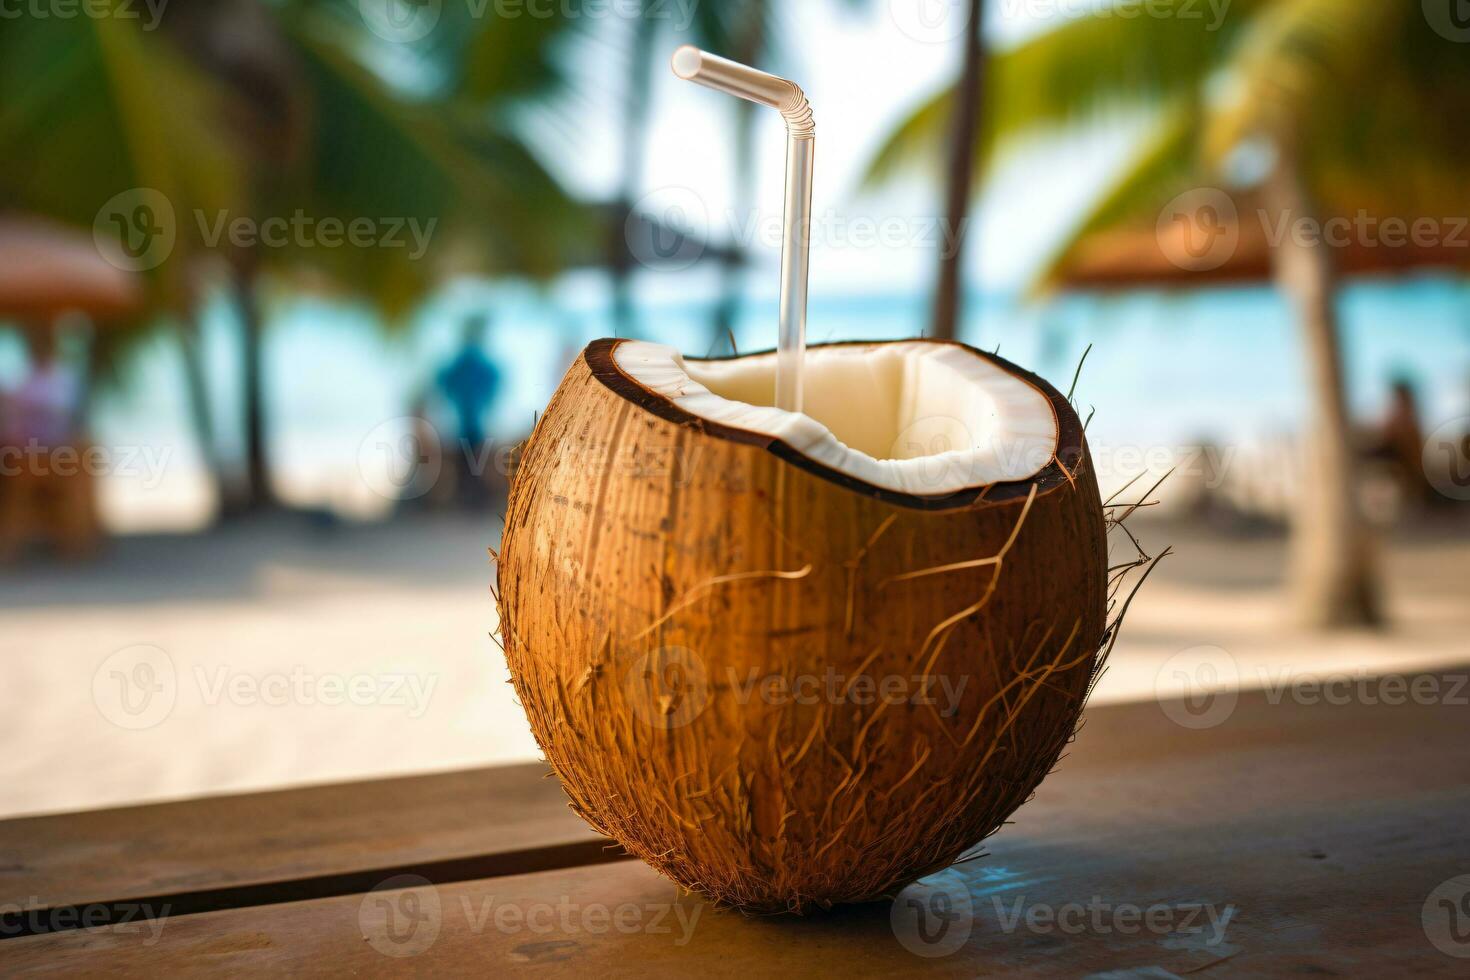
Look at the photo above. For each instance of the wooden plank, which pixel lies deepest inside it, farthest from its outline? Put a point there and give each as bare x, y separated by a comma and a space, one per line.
235, 850
1292, 839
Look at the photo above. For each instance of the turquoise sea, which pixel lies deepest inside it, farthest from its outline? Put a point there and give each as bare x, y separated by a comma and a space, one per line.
1165, 369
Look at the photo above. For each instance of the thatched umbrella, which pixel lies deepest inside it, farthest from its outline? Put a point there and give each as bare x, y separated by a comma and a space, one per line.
1198, 247
47, 269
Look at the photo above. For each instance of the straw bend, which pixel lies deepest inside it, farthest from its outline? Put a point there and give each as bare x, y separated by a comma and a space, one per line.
786, 97
766, 89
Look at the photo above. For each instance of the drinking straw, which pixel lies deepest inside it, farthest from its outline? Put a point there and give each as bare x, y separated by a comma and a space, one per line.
694, 65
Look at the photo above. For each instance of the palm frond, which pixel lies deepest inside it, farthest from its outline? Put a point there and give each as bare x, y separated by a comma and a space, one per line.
1135, 54
441, 166
102, 108
1297, 56
1164, 166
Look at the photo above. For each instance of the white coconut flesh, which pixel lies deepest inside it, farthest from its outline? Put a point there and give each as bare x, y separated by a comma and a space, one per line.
914, 417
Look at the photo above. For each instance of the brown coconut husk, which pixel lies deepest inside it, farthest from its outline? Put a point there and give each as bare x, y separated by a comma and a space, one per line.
653, 563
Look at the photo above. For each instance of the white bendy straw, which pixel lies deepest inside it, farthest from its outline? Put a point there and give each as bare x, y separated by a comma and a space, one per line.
695, 65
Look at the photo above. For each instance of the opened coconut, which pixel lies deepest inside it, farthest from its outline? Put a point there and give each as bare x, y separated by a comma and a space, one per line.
792, 659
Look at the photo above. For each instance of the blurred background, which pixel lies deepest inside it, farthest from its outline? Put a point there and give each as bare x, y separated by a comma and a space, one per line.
284, 282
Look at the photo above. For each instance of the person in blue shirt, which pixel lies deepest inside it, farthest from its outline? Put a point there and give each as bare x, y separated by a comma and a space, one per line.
470, 382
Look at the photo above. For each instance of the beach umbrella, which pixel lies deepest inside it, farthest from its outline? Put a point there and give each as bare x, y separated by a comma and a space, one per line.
47, 269
1195, 245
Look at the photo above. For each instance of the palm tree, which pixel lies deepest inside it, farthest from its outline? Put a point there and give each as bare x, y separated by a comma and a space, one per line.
954, 117
1357, 105
968, 98
637, 101
257, 110
328, 137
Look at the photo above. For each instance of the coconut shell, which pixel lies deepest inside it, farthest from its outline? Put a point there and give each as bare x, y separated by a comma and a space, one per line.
776, 685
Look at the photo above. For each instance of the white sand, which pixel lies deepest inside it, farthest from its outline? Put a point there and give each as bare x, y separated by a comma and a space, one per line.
279, 614
247, 630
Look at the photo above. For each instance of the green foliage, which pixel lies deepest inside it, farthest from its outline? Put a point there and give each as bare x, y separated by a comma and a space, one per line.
438, 163
1088, 66
1371, 97
96, 106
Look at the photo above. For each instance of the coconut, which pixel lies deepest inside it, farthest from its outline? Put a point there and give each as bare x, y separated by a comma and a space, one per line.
791, 660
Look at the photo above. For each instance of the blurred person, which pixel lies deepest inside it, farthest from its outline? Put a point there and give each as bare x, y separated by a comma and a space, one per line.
45, 483
470, 382
1396, 443
1203, 494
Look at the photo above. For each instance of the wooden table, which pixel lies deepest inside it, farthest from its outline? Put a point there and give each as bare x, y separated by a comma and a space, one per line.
1299, 837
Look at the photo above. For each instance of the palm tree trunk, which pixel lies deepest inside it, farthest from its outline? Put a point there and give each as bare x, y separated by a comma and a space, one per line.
1331, 572
635, 142
259, 494
196, 392
969, 97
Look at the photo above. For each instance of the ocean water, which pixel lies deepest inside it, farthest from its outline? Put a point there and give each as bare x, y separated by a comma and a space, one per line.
1164, 371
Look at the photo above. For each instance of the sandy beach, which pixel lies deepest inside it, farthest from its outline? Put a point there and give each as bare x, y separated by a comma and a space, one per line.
285, 652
